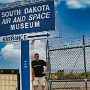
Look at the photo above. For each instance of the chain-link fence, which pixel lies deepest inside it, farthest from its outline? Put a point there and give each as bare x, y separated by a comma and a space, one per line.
69, 64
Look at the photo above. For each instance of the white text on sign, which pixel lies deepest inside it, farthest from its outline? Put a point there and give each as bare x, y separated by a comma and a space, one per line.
27, 18
14, 38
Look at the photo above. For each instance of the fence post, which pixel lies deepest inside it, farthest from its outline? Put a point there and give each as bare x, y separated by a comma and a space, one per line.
84, 56
48, 58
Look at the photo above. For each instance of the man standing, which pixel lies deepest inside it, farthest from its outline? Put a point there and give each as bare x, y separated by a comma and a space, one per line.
38, 72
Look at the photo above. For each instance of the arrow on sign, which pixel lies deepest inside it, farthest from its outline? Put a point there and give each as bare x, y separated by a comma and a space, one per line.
39, 35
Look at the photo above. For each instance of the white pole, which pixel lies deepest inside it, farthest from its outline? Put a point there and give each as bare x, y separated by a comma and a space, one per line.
31, 58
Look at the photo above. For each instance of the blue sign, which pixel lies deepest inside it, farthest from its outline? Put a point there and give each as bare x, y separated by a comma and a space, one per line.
27, 19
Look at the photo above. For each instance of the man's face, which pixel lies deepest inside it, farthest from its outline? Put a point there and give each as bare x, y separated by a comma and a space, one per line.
36, 57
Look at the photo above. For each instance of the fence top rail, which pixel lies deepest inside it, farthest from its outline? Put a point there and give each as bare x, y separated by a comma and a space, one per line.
65, 48
78, 80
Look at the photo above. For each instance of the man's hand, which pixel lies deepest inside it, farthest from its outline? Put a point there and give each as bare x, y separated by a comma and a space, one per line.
44, 72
